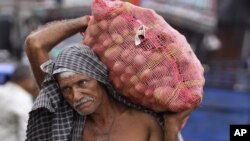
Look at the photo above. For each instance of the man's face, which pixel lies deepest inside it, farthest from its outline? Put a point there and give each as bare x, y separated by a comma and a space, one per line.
83, 93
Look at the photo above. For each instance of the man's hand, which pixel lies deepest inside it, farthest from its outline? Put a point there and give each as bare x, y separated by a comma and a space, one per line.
173, 123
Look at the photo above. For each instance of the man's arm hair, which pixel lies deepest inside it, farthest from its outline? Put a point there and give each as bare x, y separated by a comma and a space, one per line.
39, 43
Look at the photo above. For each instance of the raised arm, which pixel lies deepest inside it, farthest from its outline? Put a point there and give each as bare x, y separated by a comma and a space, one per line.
40, 42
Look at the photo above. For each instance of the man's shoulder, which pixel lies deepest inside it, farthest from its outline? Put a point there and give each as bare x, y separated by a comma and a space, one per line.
141, 120
140, 115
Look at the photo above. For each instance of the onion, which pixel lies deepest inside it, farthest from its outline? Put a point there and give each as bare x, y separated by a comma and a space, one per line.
125, 78
118, 67
145, 75
108, 63
169, 81
103, 36
156, 57
127, 56
118, 39
112, 53
134, 79
125, 32
139, 60
103, 24
129, 70
160, 70
163, 94
149, 92
140, 88
154, 83
118, 24
107, 43
98, 49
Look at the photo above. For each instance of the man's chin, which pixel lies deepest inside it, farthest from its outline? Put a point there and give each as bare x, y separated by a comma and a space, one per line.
84, 113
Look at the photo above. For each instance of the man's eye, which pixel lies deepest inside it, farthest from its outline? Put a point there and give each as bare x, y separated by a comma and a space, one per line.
66, 90
82, 82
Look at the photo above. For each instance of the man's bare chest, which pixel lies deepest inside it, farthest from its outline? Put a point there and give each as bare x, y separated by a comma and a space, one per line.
116, 134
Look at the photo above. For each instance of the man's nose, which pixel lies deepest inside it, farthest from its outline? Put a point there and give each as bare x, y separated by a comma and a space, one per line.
76, 93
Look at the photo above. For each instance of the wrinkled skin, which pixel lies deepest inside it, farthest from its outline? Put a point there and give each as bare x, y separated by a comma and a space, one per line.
83, 93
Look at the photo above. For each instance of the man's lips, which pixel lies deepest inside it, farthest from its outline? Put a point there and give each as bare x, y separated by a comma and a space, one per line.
83, 102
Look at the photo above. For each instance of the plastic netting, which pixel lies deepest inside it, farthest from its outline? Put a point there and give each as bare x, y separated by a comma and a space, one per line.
149, 61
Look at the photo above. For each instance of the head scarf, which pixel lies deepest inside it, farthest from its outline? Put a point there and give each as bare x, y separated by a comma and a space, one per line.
81, 59
51, 117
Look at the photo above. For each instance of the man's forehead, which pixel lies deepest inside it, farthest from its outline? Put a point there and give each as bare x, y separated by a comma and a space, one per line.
66, 74
70, 74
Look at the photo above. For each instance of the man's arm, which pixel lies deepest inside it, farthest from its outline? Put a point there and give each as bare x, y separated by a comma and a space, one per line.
39, 43
156, 133
173, 123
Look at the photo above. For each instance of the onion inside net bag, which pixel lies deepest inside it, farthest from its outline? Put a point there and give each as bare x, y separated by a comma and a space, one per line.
149, 62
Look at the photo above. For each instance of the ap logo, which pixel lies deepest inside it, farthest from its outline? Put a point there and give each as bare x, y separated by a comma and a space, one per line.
239, 132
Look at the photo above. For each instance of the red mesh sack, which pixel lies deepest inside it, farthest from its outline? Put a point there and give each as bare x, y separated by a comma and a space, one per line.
149, 62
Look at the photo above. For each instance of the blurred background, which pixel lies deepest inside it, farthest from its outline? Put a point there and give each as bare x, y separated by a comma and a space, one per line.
218, 31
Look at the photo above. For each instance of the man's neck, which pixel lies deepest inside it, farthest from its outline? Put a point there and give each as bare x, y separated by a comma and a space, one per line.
107, 112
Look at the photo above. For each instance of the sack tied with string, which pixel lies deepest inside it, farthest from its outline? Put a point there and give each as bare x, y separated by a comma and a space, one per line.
149, 62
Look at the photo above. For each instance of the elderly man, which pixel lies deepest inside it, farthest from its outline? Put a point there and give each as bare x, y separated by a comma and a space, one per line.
77, 102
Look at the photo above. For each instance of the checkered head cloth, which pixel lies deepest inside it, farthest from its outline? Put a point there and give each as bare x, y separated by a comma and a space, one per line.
51, 117
81, 59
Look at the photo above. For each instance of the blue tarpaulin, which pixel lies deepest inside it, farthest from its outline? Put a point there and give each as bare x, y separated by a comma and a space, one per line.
219, 109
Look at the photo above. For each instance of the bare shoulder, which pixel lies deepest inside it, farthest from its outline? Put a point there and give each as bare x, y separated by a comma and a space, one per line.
145, 122
142, 117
